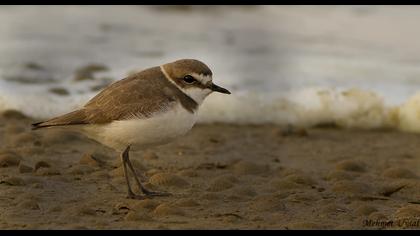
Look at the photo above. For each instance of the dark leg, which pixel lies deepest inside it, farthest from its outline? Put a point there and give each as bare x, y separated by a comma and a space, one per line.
124, 158
141, 187
126, 161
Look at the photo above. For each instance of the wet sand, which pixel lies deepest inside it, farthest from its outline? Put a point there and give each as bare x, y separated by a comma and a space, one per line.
222, 176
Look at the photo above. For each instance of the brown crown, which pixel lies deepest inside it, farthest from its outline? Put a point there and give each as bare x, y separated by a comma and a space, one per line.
178, 69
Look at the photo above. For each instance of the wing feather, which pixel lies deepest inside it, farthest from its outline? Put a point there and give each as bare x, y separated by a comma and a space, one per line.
137, 96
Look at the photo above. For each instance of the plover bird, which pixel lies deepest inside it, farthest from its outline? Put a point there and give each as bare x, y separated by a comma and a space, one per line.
149, 108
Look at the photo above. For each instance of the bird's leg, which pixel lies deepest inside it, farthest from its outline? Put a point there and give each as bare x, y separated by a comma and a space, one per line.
141, 187
124, 159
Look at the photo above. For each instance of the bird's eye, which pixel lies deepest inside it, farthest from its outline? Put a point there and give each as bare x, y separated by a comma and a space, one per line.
189, 79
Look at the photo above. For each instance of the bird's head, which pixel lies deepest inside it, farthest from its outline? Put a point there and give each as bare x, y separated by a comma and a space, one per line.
192, 77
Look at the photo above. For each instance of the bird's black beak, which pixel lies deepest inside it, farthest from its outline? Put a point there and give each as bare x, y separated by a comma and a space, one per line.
219, 89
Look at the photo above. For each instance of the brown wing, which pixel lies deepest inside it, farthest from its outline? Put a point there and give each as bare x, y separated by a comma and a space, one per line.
139, 95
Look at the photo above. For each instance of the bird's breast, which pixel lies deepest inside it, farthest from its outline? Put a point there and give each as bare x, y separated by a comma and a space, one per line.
160, 128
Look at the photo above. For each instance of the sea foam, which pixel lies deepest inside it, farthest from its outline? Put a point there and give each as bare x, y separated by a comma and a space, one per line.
350, 108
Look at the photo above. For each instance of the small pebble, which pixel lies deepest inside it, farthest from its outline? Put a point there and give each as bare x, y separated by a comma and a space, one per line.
47, 171
13, 181
8, 159
43, 164
13, 114
24, 168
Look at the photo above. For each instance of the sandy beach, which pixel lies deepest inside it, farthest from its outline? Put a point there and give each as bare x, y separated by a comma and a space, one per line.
222, 176
354, 69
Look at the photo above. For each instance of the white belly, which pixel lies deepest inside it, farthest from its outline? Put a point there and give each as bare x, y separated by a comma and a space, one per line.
140, 133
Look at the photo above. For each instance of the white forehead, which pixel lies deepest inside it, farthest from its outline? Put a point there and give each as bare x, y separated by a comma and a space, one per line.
203, 79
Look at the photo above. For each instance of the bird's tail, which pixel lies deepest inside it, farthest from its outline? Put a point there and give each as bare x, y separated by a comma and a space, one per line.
73, 118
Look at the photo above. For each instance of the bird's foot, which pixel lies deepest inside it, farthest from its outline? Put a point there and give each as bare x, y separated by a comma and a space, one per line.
132, 195
155, 194
135, 196
147, 194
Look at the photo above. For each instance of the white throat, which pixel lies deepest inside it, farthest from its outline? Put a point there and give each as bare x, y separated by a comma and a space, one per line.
197, 94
